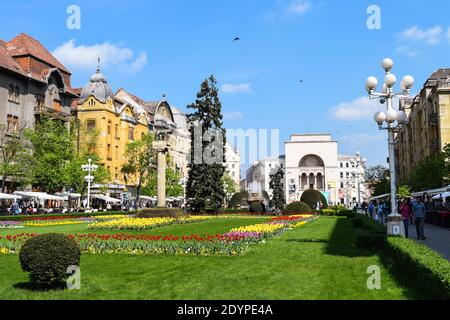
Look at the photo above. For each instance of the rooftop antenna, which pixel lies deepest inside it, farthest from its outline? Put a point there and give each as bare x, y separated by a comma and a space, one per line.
164, 97
98, 65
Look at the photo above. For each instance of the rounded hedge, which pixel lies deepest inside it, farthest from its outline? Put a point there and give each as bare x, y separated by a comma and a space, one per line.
297, 207
46, 257
312, 197
257, 207
235, 200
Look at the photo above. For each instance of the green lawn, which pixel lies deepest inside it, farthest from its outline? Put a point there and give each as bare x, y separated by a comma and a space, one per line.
317, 261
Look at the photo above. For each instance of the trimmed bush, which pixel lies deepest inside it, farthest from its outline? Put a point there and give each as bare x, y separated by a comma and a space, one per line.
421, 266
161, 213
235, 200
312, 197
257, 207
297, 207
46, 257
372, 241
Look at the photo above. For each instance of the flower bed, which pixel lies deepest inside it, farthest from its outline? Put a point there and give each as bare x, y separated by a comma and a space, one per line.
52, 222
141, 224
10, 225
235, 242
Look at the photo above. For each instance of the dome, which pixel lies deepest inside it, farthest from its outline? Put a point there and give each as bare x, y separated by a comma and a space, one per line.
98, 88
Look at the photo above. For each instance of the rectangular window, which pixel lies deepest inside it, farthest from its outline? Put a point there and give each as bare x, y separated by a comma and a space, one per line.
109, 152
131, 133
12, 124
39, 104
90, 125
342, 175
109, 129
117, 152
11, 93
57, 106
116, 131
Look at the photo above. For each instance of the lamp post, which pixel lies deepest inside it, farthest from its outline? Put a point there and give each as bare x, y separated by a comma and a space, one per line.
393, 121
89, 168
358, 163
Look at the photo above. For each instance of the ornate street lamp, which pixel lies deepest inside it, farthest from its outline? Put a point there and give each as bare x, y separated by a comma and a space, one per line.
89, 168
358, 164
393, 121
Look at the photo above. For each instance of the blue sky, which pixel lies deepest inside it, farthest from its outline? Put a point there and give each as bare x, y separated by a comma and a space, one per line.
155, 46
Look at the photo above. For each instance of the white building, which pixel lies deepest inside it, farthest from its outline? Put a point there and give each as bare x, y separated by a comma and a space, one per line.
233, 164
258, 175
310, 160
347, 183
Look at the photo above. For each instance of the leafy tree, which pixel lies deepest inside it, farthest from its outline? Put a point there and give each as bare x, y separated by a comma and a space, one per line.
230, 185
205, 189
404, 191
15, 159
377, 180
276, 185
173, 186
429, 173
53, 148
140, 159
76, 174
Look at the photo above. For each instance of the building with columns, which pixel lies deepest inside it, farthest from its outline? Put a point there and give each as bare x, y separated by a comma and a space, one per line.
310, 160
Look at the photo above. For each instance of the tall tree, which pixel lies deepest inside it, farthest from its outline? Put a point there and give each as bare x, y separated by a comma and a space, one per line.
276, 185
173, 186
15, 159
230, 185
205, 189
429, 173
377, 180
139, 161
53, 148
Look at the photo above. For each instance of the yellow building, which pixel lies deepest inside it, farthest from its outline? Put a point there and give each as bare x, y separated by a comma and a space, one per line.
111, 123
426, 131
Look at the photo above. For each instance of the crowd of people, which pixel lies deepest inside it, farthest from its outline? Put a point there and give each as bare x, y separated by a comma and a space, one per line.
413, 211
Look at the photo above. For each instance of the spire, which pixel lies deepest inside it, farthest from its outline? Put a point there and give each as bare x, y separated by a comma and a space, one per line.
98, 65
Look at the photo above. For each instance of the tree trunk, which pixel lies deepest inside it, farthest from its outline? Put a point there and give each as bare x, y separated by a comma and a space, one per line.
3, 184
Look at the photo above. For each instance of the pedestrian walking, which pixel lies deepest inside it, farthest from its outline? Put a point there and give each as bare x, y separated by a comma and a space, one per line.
406, 212
380, 213
418, 210
371, 210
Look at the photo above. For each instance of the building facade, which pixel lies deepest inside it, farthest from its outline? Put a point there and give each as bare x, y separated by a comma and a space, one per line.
233, 165
310, 161
32, 83
258, 175
348, 183
426, 131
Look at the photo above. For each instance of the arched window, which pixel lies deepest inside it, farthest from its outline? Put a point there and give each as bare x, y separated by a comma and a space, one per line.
311, 160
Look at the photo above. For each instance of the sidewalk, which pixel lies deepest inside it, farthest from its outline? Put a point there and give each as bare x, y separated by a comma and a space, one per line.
438, 238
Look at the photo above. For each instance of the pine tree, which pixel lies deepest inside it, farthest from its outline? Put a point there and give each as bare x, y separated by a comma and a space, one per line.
205, 188
276, 185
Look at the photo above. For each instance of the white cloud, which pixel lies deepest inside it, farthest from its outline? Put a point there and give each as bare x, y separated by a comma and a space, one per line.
359, 109
362, 139
237, 88
298, 7
406, 51
237, 115
84, 57
429, 36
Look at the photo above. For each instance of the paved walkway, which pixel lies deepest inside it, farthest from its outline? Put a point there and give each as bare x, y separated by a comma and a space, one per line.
438, 238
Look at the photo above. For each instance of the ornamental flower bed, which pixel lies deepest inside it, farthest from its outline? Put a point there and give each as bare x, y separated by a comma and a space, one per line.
235, 242
10, 225
141, 224
48, 223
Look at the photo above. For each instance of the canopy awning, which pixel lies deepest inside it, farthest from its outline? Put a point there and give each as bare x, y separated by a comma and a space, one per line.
5, 196
442, 195
106, 198
39, 195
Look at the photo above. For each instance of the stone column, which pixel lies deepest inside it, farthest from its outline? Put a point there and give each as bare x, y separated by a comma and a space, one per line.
161, 182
